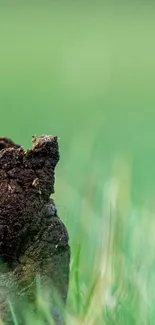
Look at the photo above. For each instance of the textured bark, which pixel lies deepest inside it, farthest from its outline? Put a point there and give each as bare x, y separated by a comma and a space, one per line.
33, 240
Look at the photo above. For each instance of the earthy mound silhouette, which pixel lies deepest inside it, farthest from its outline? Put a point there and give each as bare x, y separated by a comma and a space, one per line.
33, 240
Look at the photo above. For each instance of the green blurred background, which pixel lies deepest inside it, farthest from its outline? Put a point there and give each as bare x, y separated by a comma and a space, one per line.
84, 71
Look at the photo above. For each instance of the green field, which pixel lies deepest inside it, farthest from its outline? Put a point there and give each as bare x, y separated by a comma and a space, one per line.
86, 73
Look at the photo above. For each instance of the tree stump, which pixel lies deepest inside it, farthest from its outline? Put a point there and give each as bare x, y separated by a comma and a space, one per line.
33, 240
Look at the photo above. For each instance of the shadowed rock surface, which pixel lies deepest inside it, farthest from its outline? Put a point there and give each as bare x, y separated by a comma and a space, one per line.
33, 240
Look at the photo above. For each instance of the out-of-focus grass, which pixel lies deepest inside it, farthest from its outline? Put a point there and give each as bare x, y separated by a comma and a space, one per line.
116, 266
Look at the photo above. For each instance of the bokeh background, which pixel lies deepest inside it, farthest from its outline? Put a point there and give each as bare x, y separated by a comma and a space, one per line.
84, 71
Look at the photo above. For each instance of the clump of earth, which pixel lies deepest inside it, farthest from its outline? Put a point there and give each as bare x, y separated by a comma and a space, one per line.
33, 239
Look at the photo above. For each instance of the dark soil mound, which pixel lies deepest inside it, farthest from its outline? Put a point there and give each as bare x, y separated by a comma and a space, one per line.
33, 240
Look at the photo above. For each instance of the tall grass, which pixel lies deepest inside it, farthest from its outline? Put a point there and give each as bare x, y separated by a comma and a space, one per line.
113, 258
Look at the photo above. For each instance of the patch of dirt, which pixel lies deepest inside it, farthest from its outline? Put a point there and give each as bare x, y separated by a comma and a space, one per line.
33, 240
